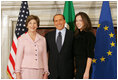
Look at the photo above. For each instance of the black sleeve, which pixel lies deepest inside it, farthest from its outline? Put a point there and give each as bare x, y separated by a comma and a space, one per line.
91, 45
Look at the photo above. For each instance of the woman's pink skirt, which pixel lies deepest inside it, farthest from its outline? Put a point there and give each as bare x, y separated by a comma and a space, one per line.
31, 73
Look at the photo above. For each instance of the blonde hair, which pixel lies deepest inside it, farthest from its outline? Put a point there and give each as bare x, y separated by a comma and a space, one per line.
30, 17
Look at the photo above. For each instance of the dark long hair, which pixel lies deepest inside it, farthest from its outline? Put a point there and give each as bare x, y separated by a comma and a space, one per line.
87, 22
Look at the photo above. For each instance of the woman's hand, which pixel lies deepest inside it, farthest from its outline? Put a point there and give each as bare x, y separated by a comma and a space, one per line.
88, 65
86, 75
18, 76
45, 76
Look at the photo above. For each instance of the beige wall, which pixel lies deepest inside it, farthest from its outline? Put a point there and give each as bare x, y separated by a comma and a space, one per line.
45, 10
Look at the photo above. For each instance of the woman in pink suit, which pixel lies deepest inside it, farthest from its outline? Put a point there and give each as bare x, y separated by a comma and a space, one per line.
31, 57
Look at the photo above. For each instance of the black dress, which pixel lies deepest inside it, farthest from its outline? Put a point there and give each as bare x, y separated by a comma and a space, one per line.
83, 48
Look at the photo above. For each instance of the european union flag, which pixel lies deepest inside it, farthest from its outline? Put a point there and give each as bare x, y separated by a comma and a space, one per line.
105, 61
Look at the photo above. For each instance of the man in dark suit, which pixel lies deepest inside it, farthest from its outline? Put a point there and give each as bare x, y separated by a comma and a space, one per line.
59, 46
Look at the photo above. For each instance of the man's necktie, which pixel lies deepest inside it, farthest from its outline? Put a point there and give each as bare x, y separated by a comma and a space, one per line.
59, 41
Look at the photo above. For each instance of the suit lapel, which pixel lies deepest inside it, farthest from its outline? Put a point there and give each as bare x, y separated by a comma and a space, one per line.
66, 36
54, 40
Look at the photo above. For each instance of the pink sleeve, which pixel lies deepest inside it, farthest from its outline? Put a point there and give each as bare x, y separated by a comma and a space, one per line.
45, 58
19, 55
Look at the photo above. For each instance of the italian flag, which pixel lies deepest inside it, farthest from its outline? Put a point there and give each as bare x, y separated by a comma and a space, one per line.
69, 15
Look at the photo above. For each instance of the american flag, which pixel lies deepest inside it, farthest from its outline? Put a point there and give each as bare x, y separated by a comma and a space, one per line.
20, 29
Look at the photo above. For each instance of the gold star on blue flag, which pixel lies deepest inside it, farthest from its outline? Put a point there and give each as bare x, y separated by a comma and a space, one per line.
105, 47
111, 35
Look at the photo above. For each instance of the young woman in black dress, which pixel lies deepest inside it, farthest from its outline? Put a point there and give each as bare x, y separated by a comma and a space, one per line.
84, 41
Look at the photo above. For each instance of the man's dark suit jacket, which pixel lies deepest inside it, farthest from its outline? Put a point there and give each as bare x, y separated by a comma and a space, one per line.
61, 64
